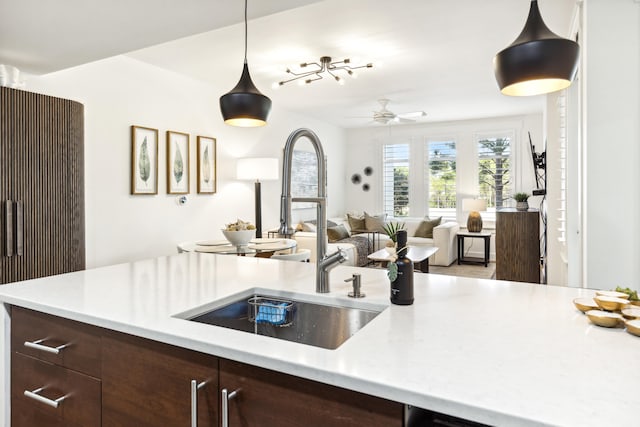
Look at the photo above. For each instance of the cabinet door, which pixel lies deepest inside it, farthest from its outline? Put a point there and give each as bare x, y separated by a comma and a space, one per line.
43, 139
148, 384
270, 399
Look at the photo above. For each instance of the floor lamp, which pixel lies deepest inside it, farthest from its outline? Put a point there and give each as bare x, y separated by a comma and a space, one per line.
257, 169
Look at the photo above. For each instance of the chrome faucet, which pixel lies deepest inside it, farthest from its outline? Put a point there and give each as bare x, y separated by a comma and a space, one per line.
324, 262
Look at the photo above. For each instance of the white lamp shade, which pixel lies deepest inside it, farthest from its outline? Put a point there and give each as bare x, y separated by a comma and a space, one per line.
474, 205
260, 168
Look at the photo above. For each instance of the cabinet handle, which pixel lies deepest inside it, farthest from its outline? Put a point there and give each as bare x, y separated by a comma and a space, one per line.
19, 231
226, 397
194, 401
39, 346
9, 228
35, 396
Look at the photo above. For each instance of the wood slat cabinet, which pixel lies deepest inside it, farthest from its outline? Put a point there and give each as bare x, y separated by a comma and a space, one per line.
518, 245
265, 398
55, 371
42, 229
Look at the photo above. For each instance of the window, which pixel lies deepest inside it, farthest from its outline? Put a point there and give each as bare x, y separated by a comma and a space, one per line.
494, 171
396, 180
441, 176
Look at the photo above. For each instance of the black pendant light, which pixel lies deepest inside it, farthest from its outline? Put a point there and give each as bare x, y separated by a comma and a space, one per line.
245, 106
538, 61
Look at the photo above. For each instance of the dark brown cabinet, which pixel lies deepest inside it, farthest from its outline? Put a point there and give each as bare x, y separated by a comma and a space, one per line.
55, 371
518, 245
105, 378
41, 185
271, 399
150, 384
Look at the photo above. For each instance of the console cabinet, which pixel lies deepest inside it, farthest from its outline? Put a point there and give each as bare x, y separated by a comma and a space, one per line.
518, 245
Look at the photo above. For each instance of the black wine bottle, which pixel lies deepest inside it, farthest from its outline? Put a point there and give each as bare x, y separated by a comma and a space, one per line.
402, 286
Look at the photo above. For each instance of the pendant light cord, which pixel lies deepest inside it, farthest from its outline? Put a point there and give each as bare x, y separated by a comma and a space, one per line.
245, 31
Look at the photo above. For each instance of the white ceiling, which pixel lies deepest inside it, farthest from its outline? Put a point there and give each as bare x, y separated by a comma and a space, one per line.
431, 55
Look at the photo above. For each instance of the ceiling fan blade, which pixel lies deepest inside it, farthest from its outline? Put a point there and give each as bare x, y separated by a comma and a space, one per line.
412, 115
399, 119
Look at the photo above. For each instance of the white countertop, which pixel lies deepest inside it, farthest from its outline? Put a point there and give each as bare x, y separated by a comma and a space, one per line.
501, 353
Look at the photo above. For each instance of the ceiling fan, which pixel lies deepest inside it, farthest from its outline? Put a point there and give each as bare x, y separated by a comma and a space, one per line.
385, 116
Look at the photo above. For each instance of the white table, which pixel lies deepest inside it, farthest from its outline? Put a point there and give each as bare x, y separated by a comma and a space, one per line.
418, 254
260, 247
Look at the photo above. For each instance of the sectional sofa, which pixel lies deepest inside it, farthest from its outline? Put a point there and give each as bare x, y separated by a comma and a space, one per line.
444, 238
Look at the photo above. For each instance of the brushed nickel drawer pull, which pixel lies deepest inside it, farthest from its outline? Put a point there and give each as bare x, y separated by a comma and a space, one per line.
194, 401
35, 396
226, 397
38, 346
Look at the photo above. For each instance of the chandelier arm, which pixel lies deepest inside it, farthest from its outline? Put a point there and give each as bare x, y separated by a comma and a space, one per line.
306, 73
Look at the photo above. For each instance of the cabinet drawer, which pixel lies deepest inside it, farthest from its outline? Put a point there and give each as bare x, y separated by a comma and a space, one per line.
82, 401
23, 414
83, 343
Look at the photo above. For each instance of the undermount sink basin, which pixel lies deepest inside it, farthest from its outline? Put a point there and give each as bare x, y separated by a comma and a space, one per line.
284, 316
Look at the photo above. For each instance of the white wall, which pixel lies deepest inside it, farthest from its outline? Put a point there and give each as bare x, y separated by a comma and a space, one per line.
365, 149
612, 144
120, 92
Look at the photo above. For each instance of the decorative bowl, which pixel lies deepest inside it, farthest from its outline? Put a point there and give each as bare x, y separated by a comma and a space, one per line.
239, 238
631, 312
604, 318
585, 304
633, 327
614, 294
611, 303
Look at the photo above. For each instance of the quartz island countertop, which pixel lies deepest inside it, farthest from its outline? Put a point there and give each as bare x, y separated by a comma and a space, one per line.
496, 352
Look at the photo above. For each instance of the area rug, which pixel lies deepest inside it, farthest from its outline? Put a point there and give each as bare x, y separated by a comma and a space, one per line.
466, 270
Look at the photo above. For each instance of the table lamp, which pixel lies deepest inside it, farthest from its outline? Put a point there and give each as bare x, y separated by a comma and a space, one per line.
259, 169
474, 206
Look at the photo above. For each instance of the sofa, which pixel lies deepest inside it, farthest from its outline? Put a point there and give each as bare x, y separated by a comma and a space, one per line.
444, 238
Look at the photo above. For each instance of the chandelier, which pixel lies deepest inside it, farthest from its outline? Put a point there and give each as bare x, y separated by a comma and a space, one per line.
325, 66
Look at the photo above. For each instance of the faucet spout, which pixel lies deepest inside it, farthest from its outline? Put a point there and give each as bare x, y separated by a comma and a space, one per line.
326, 264
323, 262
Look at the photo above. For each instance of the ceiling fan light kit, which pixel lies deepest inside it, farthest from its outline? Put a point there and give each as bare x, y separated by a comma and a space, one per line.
245, 105
538, 61
325, 66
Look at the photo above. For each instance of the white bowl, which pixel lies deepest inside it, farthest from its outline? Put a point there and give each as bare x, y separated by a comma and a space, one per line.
240, 237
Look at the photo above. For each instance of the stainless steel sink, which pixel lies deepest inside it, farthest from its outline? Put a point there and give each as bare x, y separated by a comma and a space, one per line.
285, 316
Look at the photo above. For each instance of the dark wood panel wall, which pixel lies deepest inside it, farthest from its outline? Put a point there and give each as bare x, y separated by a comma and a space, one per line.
42, 189
518, 245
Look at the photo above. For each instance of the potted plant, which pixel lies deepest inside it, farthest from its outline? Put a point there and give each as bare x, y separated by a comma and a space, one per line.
391, 229
521, 199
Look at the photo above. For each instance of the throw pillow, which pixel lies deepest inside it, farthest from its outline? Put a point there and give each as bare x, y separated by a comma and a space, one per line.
425, 229
374, 222
337, 233
356, 222
309, 227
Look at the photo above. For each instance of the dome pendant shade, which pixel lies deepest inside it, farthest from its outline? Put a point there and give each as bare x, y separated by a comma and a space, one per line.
245, 105
538, 61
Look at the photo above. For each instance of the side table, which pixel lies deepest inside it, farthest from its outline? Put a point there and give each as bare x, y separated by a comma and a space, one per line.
485, 235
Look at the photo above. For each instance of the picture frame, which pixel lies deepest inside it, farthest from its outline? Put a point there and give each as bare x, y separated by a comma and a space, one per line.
207, 165
144, 160
177, 162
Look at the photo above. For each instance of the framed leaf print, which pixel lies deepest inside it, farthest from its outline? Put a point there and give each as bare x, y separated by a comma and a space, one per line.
177, 162
206, 165
144, 160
